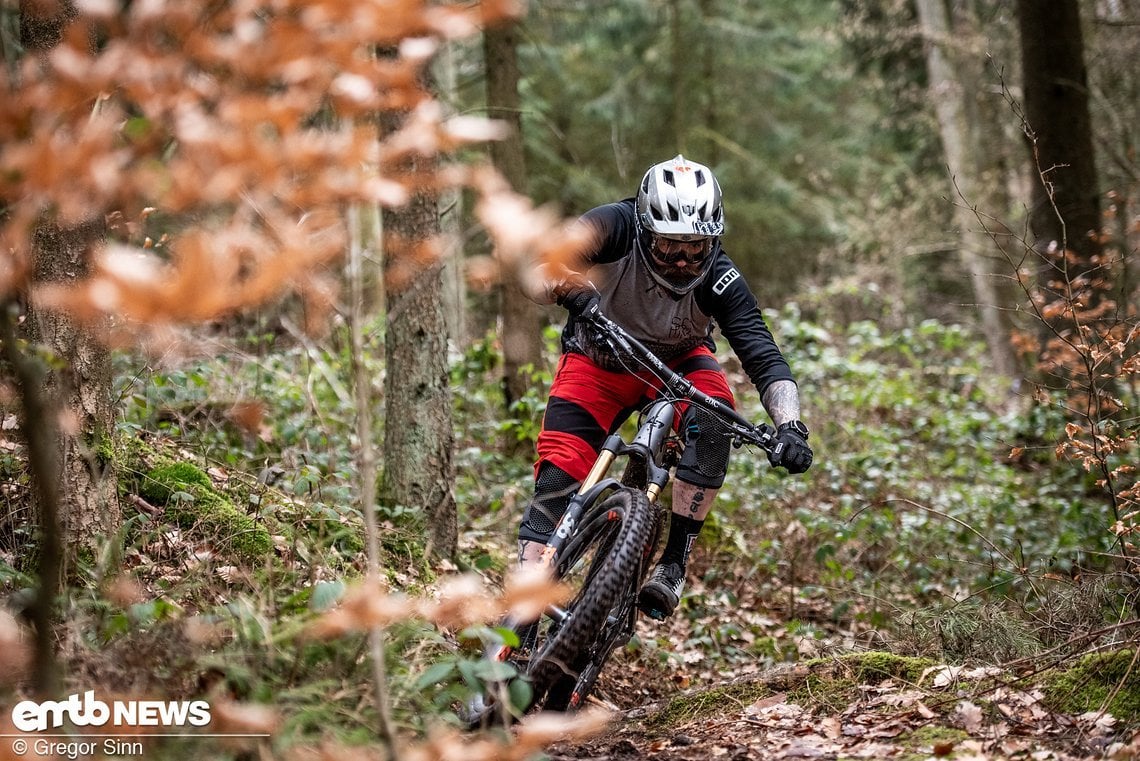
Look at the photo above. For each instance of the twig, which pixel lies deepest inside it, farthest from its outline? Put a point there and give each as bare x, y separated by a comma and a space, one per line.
988, 542
39, 426
143, 505
366, 469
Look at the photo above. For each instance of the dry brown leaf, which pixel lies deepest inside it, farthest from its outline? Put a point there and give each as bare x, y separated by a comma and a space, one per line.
200, 630
462, 601
969, 716
529, 590
1097, 722
229, 717
125, 591
330, 751
15, 650
537, 731
448, 744
249, 415
764, 703
363, 607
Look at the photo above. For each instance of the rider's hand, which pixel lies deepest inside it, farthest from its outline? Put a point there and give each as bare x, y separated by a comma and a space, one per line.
577, 298
791, 450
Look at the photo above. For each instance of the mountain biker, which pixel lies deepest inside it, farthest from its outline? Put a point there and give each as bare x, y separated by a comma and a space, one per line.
655, 266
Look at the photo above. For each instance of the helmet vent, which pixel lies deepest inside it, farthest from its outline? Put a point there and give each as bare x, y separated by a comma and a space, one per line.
680, 197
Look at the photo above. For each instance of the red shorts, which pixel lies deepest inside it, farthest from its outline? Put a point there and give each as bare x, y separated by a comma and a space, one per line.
588, 403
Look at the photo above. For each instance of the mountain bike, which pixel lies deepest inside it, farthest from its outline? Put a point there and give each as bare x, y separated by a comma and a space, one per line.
603, 547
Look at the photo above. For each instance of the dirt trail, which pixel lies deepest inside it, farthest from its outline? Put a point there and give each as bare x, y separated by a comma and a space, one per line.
820, 712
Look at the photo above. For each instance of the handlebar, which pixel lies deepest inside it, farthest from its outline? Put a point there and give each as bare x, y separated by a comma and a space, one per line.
620, 341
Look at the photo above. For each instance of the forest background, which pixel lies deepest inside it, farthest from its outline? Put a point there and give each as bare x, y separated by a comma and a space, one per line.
264, 343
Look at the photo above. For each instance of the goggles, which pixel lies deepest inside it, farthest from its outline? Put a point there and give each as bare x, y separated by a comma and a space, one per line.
681, 249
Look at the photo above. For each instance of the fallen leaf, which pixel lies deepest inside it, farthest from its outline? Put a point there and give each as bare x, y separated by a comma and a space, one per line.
767, 702
1097, 722
969, 716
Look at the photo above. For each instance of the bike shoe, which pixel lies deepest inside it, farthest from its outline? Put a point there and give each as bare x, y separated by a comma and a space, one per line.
660, 595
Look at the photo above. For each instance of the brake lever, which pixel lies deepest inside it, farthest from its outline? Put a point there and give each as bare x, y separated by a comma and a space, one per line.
767, 435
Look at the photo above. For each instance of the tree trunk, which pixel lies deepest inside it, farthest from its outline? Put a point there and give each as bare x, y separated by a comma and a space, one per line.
79, 391
68, 416
962, 149
522, 334
1065, 211
418, 469
709, 83
680, 59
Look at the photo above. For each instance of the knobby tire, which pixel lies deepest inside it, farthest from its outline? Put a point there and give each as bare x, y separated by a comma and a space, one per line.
614, 539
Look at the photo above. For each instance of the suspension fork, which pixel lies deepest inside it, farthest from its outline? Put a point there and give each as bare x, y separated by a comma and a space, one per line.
646, 445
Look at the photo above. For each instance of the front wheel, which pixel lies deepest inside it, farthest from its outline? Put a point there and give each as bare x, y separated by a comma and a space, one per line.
603, 563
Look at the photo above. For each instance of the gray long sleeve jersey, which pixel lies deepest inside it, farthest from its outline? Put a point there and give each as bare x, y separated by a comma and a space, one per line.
671, 325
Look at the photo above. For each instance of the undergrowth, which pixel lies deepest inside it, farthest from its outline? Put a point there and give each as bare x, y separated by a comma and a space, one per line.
914, 529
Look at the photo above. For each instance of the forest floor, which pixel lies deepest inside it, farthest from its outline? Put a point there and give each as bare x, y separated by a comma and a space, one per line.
850, 703
889, 720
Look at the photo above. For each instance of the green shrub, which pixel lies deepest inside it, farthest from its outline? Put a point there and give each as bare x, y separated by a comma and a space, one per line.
912, 491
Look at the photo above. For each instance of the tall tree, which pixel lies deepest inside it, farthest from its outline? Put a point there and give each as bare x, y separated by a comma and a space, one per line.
78, 389
1065, 211
709, 83
680, 62
418, 468
1111, 54
521, 335
951, 81
451, 217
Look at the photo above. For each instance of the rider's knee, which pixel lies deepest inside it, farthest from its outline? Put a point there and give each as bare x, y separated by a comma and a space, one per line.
553, 489
707, 447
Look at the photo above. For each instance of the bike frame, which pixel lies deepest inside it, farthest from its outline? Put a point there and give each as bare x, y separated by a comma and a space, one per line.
649, 442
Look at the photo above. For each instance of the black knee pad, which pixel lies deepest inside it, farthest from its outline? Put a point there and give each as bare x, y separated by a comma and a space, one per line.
553, 489
707, 446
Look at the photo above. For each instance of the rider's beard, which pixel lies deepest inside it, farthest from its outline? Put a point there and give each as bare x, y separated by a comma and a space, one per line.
679, 275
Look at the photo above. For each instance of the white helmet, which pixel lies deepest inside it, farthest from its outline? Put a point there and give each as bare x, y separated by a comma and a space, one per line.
680, 198
678, 211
